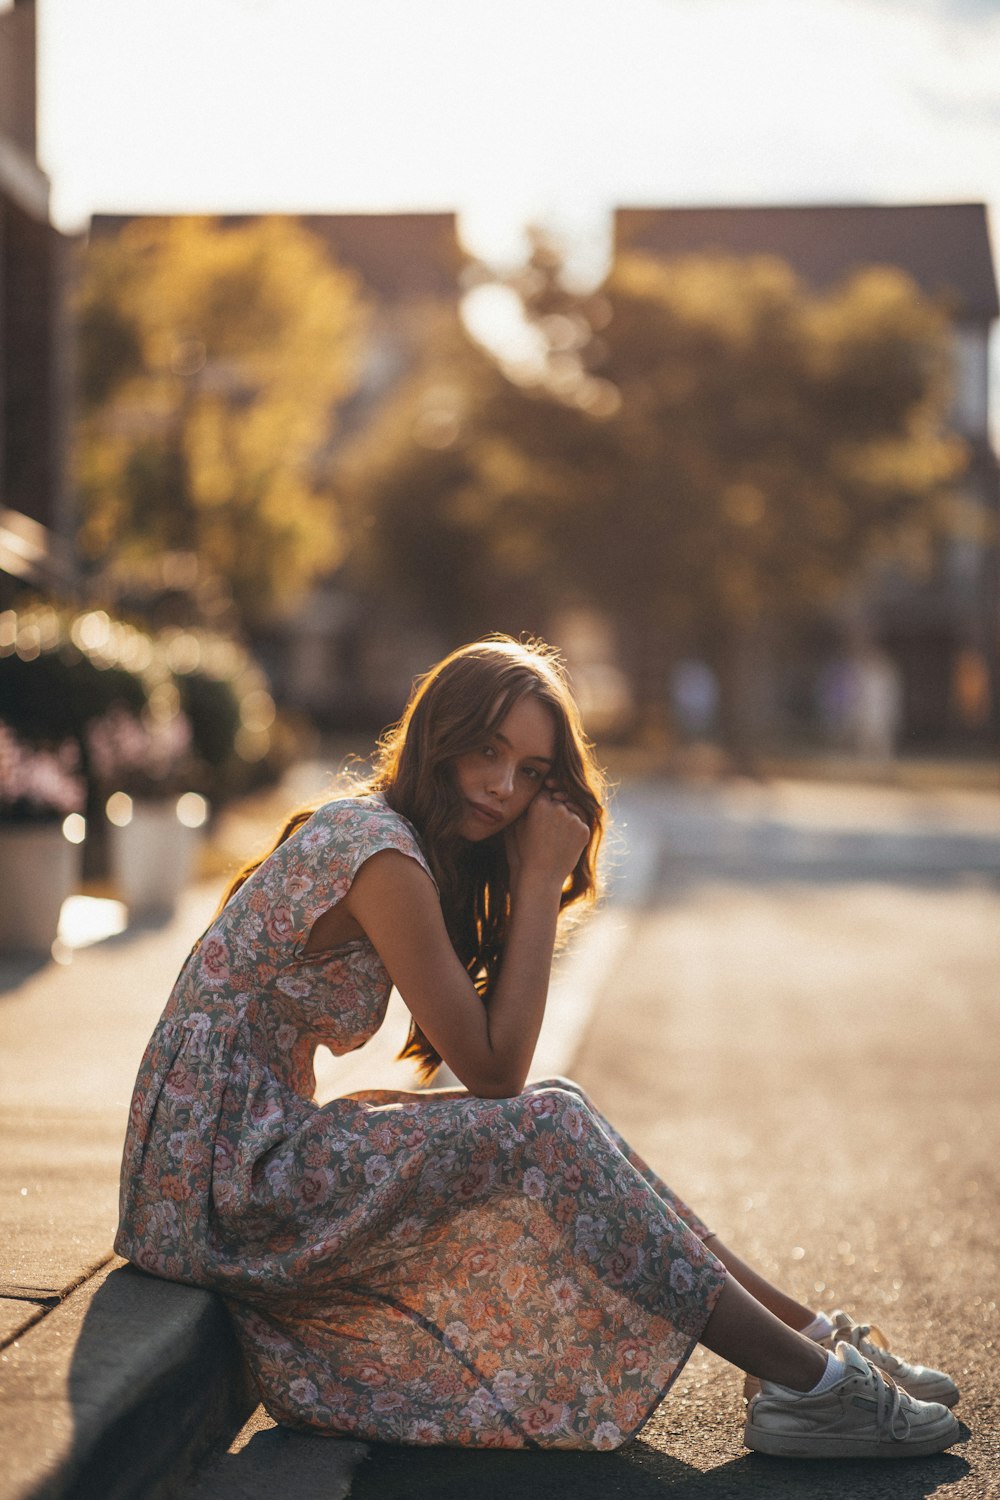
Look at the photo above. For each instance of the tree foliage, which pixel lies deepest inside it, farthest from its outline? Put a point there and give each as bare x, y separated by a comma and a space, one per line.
212, 357
698, 445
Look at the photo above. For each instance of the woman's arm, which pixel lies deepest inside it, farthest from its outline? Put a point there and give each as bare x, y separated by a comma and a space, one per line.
488, 1047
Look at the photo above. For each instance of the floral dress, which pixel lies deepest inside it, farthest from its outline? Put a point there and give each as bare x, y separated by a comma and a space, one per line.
400, 1267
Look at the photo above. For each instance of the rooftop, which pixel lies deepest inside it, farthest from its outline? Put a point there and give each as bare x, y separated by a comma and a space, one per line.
945, 247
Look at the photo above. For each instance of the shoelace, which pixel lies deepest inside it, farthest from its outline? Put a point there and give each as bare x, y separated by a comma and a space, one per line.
889, 1406
871, 1342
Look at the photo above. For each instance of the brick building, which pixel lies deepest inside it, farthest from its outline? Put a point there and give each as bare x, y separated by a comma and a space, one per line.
35, 518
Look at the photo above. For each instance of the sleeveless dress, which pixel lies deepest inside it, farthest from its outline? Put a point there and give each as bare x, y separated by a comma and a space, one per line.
400, 1267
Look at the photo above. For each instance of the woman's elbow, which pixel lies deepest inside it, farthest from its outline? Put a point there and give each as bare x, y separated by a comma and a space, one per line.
496, 1092
496, 1085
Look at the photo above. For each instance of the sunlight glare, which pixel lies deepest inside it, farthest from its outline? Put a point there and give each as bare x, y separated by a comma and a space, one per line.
494, 316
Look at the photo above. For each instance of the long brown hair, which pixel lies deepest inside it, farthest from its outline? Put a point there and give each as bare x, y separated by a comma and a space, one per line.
452, 709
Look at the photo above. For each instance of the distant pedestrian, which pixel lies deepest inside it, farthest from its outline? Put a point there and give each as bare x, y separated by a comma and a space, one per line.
875, 709
486, 1266
694, 696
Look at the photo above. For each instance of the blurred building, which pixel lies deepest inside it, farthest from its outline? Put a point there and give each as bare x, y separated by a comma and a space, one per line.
347, 660
941, 632
35, 515
343, 659
402, 261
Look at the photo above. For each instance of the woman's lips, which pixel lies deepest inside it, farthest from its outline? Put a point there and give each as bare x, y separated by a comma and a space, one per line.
487, 814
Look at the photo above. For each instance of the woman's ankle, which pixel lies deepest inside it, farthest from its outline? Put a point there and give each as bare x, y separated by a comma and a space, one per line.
746, 1334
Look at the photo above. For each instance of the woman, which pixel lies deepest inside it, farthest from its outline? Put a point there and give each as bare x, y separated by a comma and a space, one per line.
490, 1265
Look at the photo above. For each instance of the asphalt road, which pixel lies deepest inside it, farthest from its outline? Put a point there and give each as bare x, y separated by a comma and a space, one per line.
802, 1036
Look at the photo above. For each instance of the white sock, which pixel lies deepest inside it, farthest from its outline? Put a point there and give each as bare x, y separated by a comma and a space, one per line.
819, 1328
834, 1371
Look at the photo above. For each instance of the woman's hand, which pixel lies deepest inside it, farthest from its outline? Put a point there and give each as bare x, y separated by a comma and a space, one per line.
548, 838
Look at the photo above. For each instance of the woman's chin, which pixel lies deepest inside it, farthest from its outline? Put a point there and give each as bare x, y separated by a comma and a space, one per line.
480, 836
475, 832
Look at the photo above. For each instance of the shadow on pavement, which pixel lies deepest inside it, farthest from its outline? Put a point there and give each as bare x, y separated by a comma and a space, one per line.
17, 968
297, 1463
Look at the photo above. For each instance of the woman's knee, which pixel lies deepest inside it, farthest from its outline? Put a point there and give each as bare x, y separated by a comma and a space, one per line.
560, 1084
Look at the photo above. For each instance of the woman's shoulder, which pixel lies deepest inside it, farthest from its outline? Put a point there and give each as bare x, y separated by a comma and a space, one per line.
363, 821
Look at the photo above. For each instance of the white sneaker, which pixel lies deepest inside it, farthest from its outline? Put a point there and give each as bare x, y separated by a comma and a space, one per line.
865, 1415
919, 1380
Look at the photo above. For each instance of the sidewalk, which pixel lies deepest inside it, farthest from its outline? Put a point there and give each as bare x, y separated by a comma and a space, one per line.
113, 1383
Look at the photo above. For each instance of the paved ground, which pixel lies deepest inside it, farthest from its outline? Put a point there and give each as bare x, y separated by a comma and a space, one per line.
801, 1032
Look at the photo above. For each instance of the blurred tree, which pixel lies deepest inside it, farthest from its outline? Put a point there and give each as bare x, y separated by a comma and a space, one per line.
211, 358
768, 445
450, 498
697, 446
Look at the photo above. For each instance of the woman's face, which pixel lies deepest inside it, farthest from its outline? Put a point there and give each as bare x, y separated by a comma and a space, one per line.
497, 780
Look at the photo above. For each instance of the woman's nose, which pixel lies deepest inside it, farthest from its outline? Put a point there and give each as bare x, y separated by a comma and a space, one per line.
501, 782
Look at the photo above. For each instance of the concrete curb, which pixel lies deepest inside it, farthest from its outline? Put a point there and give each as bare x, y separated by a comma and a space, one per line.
119, 1391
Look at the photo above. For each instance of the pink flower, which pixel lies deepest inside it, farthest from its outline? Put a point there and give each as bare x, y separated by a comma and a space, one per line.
533, 1183
508, 1385
458, 1334
475, 1179
564, 1293
408, 1229
222, 1155
303, 1392
543, 1105
279, 1177
377, 1170
37, 783
606, 1437
681, 1277
313, 1187
633, 1354
264, 1108
545, 1417
223, 1192
314, 835
622, 1264
148, 1259
424, 1432
480, 1260
198, 1026
573, 1120
181, 1082
214, 957
279, 924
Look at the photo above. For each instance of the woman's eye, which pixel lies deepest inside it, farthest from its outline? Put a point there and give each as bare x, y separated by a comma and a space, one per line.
532, 773
489, 752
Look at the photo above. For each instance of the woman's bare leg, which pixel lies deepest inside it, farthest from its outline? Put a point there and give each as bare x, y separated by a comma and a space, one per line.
795, 1314
743, 1331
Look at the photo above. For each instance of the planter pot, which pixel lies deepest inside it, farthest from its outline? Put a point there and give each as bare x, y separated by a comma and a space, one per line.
152, 857
39, 868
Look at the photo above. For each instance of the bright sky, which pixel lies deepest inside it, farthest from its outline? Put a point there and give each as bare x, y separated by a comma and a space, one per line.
515, 109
